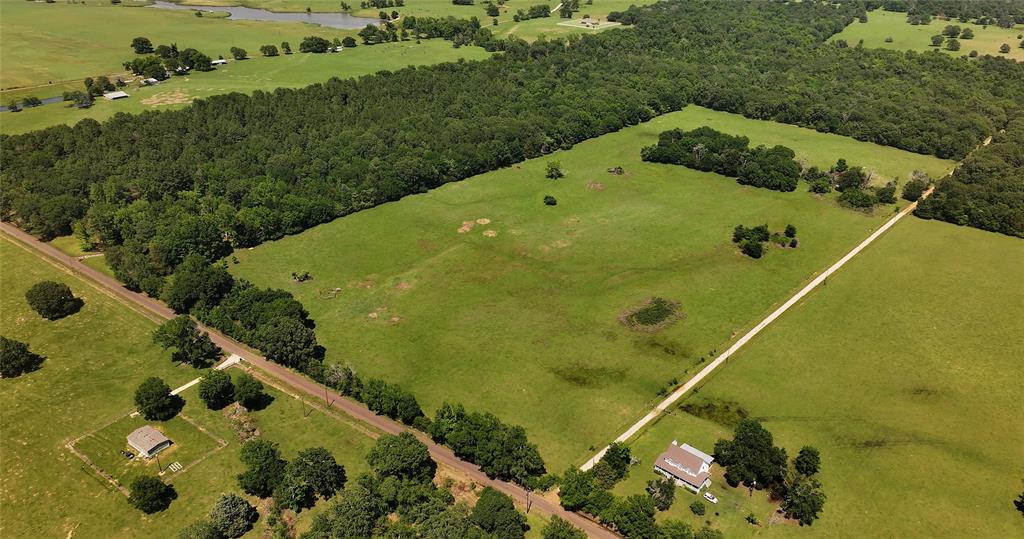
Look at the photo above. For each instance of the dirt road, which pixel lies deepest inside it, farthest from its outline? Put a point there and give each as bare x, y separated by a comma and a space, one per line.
158, 311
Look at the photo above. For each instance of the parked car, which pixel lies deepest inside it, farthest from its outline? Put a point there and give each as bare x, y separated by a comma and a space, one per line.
710, 497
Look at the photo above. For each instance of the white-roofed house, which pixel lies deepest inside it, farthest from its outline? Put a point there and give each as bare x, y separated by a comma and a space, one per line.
148, 441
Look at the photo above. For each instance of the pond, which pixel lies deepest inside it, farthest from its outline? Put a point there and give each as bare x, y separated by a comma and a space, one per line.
238, 13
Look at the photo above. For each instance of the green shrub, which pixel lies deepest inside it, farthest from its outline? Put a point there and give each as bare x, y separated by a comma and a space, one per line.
52, 300
550, 200
753, 249
698, 508
655, 312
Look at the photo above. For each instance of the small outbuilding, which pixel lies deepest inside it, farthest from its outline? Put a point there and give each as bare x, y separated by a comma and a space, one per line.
150, 81
148, 441
110, 96
686, 465
219, 62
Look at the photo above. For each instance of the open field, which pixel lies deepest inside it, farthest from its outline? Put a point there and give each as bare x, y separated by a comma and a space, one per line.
883, 24
94, 361
55, 42
522, 307
257, 73
897, 371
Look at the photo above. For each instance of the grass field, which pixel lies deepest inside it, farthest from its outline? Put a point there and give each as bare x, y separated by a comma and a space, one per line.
257, 73
94, 361
518, 316
905, 372
883, 24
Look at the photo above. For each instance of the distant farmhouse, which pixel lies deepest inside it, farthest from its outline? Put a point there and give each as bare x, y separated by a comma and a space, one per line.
148, 441
218, 62
686, 465
115, 95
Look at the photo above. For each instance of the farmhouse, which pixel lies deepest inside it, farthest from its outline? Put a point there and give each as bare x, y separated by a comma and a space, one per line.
110, 96
686, 465
219, 62
148, 441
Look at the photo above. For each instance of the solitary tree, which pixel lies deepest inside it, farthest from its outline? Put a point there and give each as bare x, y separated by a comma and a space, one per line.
790, 231
1004, 48
264, 468
557, 528
937, 40
154, 399
808, 461
286, 47
662, 491
191, 346
402, 456
953, 44
268, 50
697, 507
232, 516
804, 500
52, 300
200, 530
216, 389
150, 495
249, 391
495, 513
16, 359
348, 42
553, 170
967, 33
238, 53
142, 45
317, 467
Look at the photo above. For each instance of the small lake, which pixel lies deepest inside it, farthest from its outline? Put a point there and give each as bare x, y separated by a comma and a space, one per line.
238, 13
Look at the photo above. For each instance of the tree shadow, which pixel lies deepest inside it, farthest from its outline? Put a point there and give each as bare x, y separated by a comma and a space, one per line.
259, 402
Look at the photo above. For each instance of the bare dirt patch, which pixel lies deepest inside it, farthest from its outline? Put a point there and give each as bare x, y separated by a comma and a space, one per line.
466, 226
490, 233
483, 221
170, 97
595, 186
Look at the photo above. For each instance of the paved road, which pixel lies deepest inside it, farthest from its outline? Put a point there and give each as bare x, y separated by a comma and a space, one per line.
157, 310
707, 370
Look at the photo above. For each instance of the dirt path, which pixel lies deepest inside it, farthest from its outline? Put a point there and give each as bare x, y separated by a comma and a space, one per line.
710, 368
158, 311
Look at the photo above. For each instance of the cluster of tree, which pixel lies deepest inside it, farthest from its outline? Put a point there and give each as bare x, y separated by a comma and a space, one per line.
707, 149
502, 451
295, 485
632, 516
190, 345
53, 300
752, 458
751, 240
996, 12
230, 517
987, 190
167, 59
533, 12
16, 359
462, 2
257, 167
853, 182
458, 31
380, 4
99, 85
217, 390
399, 499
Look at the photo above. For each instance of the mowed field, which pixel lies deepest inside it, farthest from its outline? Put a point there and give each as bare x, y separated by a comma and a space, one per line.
257, 73
518, 314
882, 24
94, 361
905, 372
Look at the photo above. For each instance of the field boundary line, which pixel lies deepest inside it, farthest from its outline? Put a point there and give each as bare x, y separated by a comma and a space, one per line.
749, 335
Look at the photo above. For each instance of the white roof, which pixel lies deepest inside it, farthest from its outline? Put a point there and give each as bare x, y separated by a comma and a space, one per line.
698, 453
115, 95
146, 439
219, 62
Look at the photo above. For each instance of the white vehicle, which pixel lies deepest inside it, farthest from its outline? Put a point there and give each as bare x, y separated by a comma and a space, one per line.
710, 497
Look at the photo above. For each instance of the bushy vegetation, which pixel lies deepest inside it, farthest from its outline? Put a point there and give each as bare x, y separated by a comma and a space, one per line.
16, 359
752, 240
707, 149
502, 451
155, 402
151, 495
53, 300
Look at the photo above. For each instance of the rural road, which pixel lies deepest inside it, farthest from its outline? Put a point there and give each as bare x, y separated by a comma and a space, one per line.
158, 311
710, 368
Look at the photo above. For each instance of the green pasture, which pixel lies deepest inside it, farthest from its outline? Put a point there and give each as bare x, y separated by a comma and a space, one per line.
883, 24
904, 371
257, 73
94, 361
519, 314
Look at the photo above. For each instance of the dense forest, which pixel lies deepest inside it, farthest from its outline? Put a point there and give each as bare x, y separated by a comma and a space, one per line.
237, 170
987, 190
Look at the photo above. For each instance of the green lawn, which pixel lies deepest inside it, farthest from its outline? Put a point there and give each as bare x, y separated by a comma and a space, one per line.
883, 24
94, 361
518, 316
905, 372
257, 73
